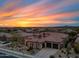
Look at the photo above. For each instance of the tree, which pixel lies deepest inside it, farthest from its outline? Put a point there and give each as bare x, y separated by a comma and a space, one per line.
76, 48
72, 36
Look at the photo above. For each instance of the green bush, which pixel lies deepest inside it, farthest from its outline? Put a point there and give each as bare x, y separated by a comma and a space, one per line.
51, 56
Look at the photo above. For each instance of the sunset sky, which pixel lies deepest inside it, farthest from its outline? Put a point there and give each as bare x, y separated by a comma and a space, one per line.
39, 13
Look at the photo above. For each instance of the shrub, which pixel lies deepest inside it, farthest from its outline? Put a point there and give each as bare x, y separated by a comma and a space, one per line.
60, 56
30, 49
52, 56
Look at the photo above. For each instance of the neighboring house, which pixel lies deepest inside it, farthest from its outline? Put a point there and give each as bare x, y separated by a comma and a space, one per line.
46, 40
5, 36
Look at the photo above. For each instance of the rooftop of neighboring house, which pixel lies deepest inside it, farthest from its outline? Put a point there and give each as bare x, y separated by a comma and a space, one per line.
5, 34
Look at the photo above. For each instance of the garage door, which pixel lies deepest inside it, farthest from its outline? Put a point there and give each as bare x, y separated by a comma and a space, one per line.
55, 46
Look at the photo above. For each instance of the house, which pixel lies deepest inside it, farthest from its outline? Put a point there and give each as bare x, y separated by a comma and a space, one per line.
39, 40
46, 40
5, 36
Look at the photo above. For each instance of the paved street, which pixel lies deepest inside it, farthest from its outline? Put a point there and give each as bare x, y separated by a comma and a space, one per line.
15, 53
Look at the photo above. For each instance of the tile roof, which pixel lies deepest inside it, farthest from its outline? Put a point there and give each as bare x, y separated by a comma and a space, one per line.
55, 37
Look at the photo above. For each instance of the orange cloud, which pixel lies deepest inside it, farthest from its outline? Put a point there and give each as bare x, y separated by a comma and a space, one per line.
38, 21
